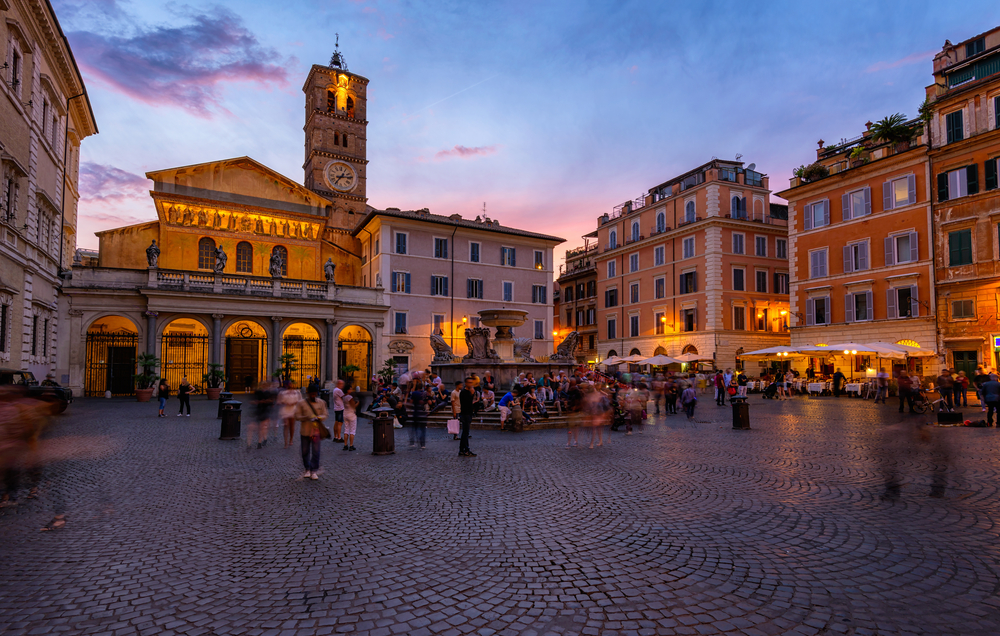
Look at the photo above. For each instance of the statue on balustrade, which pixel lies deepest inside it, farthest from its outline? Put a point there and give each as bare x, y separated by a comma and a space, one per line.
220, 260
152, 254
329, 268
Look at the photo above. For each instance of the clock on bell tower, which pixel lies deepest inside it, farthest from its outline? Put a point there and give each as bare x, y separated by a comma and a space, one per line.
336, 136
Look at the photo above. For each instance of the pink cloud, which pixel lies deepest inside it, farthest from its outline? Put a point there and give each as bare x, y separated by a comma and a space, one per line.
466, 153
182, 66
916, 58
102, 183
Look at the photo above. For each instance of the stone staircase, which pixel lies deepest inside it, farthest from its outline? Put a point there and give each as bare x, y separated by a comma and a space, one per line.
490, 420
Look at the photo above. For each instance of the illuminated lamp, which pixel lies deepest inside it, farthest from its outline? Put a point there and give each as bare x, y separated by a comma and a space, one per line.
784, 313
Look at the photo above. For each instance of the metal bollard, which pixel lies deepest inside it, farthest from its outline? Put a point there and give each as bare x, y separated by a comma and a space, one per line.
224, 396
383, 435
231, 416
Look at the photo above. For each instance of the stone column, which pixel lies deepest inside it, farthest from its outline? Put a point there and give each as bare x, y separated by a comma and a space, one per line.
275, 343
151, 332
217, 338
331, 351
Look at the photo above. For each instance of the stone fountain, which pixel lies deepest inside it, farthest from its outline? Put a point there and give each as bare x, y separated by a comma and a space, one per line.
505, 357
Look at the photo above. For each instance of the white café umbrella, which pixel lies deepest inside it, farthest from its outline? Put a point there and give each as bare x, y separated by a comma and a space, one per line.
906, 349
773, 352
634, 358
691, 357
659, 360
851, 348
612, 361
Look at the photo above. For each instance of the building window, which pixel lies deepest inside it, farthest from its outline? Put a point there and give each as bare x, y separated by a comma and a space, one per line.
660, 288
661, 222
760, 245
633, 326
740, 318
401, 282
539, 259
508, 291
633, 293
440, 248
902, 248
611, 297
996, 112
818, 311
438, 320
45, 338
579, 318
612, 269
689, 212
689, 282
34, 335
739, 275
400, 243
206, 253
858, 307
659, 255
635, 231
817, 263
960, 247
538, 294
975, 47
689, 319
738, 246
539, 330
659, 323
569, 318
902, 302
376, 248
857, 204
780, 283
897, 193
738, 208
4, 321
508, 257
761, 275
590, 342
963, 309
781, 248
474, 252
958, 183
591, 316
612, 328
244, 258
400, 326
954, 126
612, 239
591, 288
439, 285
474, 288
688, 244
633, 262
856, 257
568, 294
817, 214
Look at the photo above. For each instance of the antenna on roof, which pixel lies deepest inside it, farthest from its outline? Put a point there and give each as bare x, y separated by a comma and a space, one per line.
486, 219
739, 156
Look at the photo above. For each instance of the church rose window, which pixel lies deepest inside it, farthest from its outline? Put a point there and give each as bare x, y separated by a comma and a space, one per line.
244, 258
206, 253
278, 249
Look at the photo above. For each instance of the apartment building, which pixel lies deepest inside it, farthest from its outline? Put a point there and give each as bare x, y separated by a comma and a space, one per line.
964, 105
697, 264
860, 243
44, 116
575, 300
439, 271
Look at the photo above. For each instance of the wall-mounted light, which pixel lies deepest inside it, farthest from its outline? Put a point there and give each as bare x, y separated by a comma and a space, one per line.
784, 313
465, 319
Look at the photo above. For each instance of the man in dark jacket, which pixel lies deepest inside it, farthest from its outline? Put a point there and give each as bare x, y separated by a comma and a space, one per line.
466, 400
991, 396
838, 383
904, 389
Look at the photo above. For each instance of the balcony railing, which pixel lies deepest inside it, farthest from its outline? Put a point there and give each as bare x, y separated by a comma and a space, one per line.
576, 267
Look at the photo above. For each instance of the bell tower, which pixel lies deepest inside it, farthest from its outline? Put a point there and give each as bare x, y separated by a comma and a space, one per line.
336, 138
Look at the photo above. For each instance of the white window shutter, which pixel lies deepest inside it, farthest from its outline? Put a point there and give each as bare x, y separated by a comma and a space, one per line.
871, 307
848, 261
890, 303
914, 247
889, 257
911, 188
807, 216
826, 212
845, 207
810, 312
887, 195
849, 307
868, 200
914, 301
863, 256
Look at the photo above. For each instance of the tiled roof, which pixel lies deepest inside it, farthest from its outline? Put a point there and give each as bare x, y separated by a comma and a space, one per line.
423, 215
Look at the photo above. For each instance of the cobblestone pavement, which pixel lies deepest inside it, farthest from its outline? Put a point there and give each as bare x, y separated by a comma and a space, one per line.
683, 529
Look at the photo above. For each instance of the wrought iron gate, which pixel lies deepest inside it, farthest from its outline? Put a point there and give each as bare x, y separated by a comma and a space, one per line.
307, 358
183, 355
110, 363
359, 354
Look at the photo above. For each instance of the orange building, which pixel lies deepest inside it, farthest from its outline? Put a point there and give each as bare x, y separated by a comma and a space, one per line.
964, 102
575, 300
859, 234
698, 264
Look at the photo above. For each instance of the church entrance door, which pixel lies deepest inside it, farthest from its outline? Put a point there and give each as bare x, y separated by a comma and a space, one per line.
246, 356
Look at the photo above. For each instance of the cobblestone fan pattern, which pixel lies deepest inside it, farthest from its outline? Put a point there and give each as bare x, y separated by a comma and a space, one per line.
683, 529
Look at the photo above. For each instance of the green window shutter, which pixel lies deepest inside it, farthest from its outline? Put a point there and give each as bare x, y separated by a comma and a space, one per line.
990, 168
966, 238
972, 178
942, 187
954, 249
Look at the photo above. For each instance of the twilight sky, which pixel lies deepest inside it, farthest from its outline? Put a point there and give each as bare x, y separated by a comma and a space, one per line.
550, 112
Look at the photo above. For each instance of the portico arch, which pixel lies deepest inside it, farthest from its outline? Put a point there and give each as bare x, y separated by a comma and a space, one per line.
112, 348
660, 351
302, 340
246, 354
184, 351
689, 349
354, 349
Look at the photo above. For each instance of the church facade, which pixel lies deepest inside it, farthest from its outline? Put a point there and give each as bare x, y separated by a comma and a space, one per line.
240, 266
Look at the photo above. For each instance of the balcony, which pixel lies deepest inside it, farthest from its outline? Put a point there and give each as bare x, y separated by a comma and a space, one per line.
577, 267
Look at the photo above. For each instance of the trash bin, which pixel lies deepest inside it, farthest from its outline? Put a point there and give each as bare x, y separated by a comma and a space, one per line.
741, 413
231, 416
324, 394
383, 435
224, 397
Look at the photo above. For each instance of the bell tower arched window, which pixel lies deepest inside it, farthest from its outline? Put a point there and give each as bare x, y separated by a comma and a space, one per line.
283, 253
350, 107
343, 140
331, 101
244, 258
336, 139
206, 253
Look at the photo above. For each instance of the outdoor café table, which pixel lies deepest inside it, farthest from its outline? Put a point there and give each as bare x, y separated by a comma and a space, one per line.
815, 387
853, 387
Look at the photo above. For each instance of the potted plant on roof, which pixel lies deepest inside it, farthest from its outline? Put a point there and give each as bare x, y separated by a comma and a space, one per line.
893, 130
814, 172
146, 378
213, 381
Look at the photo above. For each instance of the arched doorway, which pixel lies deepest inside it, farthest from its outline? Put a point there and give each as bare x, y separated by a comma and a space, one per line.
246, 355
112, 347
184, 351
689, 349
354, 355
660, 351
635, 352
302, 341
611, 354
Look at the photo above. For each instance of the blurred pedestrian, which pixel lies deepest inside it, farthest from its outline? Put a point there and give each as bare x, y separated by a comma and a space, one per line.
991, 398
961, 390
338, 411
263, 402
163, 392
689, 399
184, 396
350, 419
418, 430
467, 400
21, 422
904, 389
456, 403
945, 387
309, 412
574, 406
287, 400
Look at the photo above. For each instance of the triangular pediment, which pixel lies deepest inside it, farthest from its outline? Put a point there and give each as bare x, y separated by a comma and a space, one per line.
239, 180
